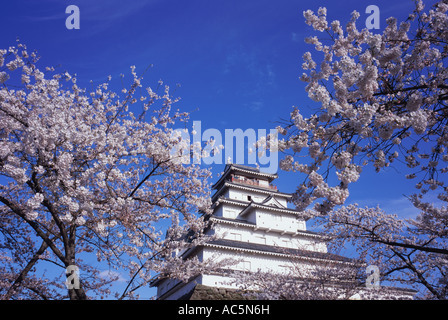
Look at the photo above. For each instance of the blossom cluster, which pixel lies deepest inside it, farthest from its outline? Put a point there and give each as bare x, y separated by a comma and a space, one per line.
91, 173
383, 100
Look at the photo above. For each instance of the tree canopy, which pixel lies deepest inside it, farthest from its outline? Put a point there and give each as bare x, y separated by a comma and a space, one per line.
91, 175
383, 101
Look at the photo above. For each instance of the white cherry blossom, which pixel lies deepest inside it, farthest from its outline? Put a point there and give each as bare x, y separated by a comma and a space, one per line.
91, 173
383, 98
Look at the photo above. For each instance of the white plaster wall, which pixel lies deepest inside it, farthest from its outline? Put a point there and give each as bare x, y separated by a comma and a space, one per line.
165, 285
274, 220
217, 281
182, 289
242, 195
230, 211
277, 220
218, 211
254, 262
260, 236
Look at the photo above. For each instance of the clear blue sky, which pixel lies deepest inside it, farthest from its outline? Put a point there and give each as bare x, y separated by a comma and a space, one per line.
238, 61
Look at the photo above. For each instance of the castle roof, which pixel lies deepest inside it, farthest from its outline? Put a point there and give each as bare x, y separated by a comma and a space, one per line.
248, 224
258, 189
247, 207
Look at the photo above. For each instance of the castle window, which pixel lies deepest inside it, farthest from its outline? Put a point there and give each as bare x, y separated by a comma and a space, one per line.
243, 266
261, 239
235, 236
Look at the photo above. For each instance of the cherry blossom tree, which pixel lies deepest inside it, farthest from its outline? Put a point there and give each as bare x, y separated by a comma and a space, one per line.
383, 101
88, 180
303, 281
412, 253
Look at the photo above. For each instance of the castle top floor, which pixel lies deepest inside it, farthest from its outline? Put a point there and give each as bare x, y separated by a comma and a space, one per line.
245, 175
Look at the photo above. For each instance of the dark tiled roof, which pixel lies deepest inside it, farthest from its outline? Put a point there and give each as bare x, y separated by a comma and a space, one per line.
240, 166
233, 220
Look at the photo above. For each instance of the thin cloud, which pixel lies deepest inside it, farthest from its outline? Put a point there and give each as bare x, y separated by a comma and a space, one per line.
111, 9
105, 12
112, 275
401, 206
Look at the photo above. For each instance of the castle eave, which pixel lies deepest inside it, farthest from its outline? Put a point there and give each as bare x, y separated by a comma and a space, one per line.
254, 248
252, 205
244, 170
243, 223
258, 189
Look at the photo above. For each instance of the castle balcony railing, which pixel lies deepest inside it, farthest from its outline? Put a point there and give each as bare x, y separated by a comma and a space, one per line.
252, 182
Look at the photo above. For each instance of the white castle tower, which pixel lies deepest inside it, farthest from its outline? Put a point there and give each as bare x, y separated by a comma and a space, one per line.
254, 226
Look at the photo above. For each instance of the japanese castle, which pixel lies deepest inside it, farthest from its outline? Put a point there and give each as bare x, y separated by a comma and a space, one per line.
254, 225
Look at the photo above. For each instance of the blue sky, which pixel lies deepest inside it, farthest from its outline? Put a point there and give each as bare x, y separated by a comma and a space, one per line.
237, 62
